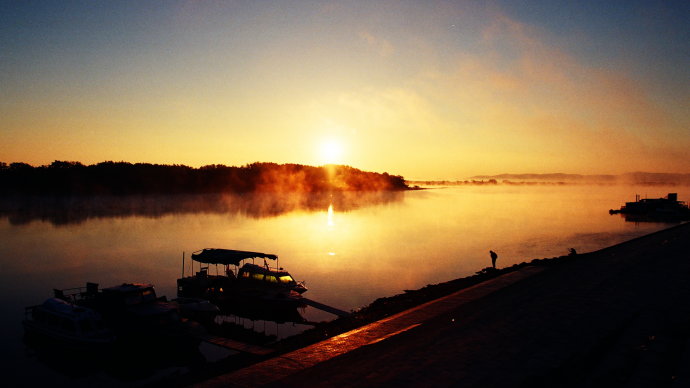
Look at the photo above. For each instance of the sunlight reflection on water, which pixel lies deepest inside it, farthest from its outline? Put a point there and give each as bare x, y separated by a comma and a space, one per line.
350, 249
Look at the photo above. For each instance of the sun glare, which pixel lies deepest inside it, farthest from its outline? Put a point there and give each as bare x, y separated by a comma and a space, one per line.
331, 152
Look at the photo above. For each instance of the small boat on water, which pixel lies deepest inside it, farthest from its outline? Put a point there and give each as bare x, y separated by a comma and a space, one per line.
655, 209
69, 324
249, 283
133, 311
135, 308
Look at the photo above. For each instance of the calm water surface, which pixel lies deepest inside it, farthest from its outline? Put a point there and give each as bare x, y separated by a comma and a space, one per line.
350, 249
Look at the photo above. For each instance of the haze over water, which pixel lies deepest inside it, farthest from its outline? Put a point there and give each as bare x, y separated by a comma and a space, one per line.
378, 245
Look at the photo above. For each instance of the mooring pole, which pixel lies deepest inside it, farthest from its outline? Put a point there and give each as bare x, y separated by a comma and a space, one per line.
182, 263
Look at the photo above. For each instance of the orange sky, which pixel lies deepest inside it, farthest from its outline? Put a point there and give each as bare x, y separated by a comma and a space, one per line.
428, 91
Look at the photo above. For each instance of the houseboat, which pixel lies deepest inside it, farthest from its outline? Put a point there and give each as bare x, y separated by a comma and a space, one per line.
653, 209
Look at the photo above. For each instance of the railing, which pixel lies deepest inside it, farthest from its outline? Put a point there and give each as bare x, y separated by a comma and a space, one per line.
76, 294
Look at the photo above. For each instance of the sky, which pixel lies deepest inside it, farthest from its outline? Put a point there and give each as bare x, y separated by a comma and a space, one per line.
423, 89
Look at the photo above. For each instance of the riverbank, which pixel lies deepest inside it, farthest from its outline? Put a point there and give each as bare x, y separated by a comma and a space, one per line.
379, 309
579, 320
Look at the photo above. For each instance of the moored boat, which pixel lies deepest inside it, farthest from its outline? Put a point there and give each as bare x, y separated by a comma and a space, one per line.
134, 312
655, 209
249, 283
68, 324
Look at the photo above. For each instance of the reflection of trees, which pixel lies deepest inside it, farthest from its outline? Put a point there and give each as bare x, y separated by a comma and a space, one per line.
62, 210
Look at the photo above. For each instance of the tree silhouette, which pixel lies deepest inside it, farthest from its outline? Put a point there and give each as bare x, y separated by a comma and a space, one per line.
123, 178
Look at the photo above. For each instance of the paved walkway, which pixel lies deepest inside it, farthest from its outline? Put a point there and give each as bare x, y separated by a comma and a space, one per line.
619, 317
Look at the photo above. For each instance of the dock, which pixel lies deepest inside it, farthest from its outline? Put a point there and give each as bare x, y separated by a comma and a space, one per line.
326, 308
260, 350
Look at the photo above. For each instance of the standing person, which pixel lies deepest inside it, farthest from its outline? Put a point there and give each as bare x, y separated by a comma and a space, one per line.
494, 256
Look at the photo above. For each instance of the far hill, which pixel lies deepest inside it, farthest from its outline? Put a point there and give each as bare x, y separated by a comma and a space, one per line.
645, 178
555, 177
636, 178
122, 178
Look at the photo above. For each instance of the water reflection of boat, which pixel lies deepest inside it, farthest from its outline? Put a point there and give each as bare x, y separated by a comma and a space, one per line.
272, 288
197, 309
261, 312
655, 209
67, 323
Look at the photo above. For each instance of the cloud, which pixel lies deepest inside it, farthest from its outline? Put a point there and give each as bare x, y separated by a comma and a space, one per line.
510, 100
381, 46
518, 89
557, 81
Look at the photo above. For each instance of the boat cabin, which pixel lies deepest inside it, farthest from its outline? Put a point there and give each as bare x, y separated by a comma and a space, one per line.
256, 273
128, 294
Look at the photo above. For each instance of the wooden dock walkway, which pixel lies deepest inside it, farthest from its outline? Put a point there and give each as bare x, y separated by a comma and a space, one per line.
326, 308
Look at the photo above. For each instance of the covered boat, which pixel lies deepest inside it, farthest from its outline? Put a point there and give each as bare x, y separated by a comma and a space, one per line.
235, 284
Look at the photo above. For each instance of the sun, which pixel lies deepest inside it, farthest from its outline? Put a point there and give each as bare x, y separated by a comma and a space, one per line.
331, 152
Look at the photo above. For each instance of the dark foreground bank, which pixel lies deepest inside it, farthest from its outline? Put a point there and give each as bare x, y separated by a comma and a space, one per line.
616, 317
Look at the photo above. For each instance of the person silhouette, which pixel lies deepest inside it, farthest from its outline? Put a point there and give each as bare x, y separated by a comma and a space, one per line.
494, 256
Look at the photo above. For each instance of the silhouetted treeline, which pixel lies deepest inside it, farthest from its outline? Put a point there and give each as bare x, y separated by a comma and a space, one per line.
122, 178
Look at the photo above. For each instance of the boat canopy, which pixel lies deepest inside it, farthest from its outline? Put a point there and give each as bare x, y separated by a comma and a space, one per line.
227, 256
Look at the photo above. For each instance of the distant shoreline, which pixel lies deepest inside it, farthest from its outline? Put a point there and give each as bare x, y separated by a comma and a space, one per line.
637, 178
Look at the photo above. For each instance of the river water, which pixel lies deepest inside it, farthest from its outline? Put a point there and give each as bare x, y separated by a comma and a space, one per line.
349, 248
